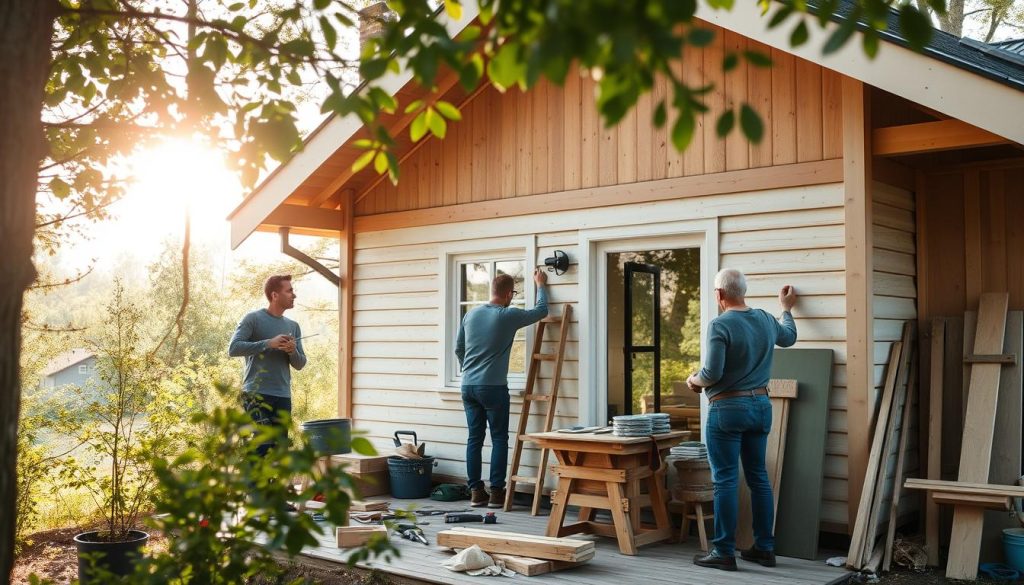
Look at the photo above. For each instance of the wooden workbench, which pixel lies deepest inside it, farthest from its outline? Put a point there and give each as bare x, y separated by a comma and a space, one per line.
615, 474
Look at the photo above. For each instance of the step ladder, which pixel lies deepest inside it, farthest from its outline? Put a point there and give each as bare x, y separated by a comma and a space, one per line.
529, 397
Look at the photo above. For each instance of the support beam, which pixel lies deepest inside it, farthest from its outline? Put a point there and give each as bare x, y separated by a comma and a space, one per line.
859, 285
345, 310
931, 137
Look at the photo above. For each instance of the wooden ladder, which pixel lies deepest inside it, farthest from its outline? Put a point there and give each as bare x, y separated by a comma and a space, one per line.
529, 397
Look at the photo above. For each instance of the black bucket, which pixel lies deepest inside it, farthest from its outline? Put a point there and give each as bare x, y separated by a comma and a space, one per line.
331, 436
118, 558
410, 478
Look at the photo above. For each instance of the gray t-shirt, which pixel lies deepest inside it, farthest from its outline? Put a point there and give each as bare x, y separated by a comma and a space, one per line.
266, 370
740, 347
484, 344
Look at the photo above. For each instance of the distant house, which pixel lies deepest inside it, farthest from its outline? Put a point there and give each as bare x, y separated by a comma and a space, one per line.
77, 367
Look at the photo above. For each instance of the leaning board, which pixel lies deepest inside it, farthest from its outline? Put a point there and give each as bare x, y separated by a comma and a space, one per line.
799, 510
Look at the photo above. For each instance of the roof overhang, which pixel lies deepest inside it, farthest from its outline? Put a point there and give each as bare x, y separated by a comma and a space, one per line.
261, 211
898, 70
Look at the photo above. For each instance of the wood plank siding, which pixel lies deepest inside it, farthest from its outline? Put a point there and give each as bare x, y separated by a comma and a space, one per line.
551, 139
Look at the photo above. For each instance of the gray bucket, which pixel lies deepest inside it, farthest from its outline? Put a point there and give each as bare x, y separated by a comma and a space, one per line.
331, 436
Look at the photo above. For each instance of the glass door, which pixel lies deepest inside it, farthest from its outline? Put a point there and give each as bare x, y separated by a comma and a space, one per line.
642, 336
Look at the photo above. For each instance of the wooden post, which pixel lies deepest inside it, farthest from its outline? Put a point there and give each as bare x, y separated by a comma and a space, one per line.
859, 283
345, 312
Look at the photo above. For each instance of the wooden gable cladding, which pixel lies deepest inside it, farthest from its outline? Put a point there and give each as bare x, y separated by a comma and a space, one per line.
551, 139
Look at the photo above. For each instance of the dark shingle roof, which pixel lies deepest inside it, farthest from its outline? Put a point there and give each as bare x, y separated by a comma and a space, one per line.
992, 61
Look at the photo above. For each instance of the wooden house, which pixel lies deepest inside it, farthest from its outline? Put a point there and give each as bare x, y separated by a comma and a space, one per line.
885, 191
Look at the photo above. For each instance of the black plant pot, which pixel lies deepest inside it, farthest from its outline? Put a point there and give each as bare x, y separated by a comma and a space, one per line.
118, 558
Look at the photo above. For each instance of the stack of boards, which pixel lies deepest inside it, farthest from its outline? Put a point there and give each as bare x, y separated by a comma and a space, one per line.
525, 554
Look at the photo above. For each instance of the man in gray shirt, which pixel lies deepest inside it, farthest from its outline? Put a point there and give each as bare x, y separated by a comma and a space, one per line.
483, 348
735, 380
271, 345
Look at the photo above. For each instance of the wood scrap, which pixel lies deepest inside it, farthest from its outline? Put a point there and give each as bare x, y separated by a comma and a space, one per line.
963, 487
350, 536
531, 567
369, 506
512, 543
897, 487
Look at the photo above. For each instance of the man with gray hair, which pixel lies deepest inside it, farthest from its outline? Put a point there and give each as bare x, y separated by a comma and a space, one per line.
735, 380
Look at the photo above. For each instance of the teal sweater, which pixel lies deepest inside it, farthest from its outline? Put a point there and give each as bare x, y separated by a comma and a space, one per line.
267, 371
740, 343
485, 340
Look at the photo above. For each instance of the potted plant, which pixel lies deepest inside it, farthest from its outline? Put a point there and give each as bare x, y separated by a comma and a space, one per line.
122, 421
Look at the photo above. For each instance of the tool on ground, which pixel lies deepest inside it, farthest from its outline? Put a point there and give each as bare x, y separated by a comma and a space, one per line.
462, 517
529, 397
490, 518
411, 532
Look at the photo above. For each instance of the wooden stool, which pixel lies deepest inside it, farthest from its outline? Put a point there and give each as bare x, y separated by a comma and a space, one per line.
691, 507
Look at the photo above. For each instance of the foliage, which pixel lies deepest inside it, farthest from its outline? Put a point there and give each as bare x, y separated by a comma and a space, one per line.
123, 421
224, 508
33, 472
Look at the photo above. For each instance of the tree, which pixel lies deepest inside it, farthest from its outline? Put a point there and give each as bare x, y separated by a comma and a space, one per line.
992, 14
85, 81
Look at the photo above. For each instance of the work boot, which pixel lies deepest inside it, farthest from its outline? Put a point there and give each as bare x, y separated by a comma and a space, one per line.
497, 498
478, 497
713, 560
765, 558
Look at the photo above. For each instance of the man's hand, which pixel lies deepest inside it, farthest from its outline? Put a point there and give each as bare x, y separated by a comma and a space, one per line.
692, 384
540, 277
787, 297
281, 342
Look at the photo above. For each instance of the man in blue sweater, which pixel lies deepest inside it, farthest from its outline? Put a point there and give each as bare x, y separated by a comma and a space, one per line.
271, 345
735, 380
483, 348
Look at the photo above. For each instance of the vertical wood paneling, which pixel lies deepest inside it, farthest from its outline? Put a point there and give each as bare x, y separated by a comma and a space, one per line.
411, 195
591, 139
479, 123
450, 168
494, 117
691, 161
783, 108
714, 147
759, 87
808, 104
659, 136
626, 147
509, 147
1014, 184
436, 173
994, 242
972, 236
832, 114
463, 138
644, 138
608, 153
524, 143
572, 134
737, 146
539, 96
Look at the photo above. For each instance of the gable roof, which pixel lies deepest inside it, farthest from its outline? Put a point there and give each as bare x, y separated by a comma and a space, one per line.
66, 360
305, 191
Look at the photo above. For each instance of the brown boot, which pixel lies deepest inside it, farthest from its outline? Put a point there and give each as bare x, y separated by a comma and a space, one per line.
478, 497
497, 498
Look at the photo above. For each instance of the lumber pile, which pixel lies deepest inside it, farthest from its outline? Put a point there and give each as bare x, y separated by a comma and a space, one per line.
367, 506
519, 545
349, 536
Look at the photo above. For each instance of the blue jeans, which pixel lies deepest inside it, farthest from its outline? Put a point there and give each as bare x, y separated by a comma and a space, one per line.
486, 406
267, 410
738, 430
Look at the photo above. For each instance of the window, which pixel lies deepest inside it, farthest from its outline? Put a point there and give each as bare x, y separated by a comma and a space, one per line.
471, 280
83, 369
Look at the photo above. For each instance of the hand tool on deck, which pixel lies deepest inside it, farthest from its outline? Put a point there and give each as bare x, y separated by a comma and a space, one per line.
411, 532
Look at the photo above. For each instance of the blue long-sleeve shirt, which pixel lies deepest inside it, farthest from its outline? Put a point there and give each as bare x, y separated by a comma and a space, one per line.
739, 353
267, 371
485, 339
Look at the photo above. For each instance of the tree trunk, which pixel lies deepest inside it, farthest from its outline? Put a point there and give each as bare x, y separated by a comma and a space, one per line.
26, 27
953, 21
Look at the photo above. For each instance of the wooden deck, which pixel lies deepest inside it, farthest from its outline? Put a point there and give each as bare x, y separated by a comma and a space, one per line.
658, 563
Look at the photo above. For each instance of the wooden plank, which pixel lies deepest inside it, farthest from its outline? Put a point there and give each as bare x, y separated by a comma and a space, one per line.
965, 487
859, 285
737, 146
799, 490
931, 137
590, 135
808, 107
626, 158
935, 436
714, 147
993, 502
976, 451
538, 96
1006, 445
898, 477
563, 549
524, 143
973, 259
346, 313
759, 88
860, 538
690, 69
783, 126
572, 109
351, 536
608, 155
557, 145
832, 114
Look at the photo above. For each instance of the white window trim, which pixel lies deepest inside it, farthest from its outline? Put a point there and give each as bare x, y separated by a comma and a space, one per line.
83, 369
449, 256
593, 302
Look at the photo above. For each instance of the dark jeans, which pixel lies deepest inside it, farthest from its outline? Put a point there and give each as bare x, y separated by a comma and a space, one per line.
738, 430
486, 406
267, 410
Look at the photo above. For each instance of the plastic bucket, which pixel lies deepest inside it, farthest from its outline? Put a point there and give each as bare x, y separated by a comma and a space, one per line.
1013, 547
331, 436
410, 478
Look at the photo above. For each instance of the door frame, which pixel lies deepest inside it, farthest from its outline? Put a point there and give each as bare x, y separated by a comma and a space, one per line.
594, 245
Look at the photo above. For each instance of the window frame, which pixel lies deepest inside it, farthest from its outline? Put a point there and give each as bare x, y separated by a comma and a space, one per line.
83, 368
453, 257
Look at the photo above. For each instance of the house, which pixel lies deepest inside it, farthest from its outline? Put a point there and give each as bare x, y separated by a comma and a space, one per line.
885, 191
74, 367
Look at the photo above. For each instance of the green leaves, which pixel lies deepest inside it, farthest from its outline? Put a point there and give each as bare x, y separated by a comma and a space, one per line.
506, 67
682, 130
799, 35
59, 188
701, 37
725, 123
751, 124
915, 26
